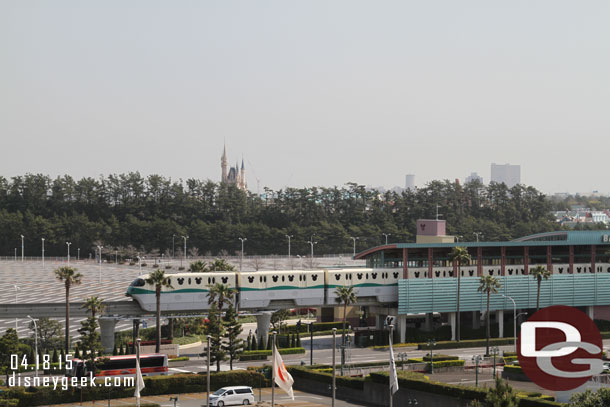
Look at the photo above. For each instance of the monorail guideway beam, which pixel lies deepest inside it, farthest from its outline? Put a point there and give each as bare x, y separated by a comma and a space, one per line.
107, 326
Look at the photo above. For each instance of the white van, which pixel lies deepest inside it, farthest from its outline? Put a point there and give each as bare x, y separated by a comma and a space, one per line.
230, 396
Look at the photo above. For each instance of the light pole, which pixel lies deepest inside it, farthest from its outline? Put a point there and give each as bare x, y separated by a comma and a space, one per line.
15, 254
495, 351
16, 287
476, 359
208, 372
42, 253
78, 254
354, 239
184, 237
457, 238
139, 264
100, 263
241, 259
68, 244
21, 247
431, 344
386, 237
311, 343
311, 242
173, 246
116, 256
477, 234
334, 356
35, 343
289, 237
514, 320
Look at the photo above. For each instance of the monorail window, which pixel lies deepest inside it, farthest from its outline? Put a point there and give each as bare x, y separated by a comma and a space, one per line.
189, 280
138, 283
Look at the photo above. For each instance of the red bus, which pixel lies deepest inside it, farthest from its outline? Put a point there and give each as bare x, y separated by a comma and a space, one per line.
150, 365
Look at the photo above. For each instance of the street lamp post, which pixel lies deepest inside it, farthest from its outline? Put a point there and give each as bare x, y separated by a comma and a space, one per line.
476, 359
311, 343
15, 254
139, 264
42, 253
68, 244
514, 320
477, 234
431, 344
173, 246
334, 369
386, 237
241, 259
116, 257
78, 254
22, 248
289, 237
100, 263
354, 239
16, 287
35, 343
311, 242
184, 237
495, 351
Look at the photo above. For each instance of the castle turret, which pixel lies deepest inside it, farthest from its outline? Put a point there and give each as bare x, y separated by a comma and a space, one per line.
223, 164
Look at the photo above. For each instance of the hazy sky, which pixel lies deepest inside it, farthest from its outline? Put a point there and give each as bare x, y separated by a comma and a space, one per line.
310, 92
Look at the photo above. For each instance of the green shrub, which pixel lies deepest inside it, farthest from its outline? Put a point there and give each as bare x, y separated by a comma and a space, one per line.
473, 343
179, 359
342, 381
284, 351
439, 357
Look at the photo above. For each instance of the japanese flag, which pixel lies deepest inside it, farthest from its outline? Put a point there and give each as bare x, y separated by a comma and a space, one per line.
282, 378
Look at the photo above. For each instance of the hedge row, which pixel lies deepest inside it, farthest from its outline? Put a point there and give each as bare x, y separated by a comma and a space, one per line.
319, 326
473, 343
439, 357
156, 385
323, 377
416, 381
263, 354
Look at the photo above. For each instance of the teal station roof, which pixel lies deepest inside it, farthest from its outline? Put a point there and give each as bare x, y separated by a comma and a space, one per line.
559, 238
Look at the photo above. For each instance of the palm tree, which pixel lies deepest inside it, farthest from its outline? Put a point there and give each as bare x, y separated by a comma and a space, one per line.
539, 273
159, 280
70, 277
461, 256
489, 285
94, 304
346, 296
198, 266
219, 294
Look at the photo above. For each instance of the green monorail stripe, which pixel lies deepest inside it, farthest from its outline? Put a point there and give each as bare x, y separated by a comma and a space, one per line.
365, 285
282, 287
135, 290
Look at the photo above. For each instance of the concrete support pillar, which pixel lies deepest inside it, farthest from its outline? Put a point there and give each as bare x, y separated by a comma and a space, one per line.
107, 333
402, 327
452, 320
476, 319
500, 318
263, 320
590, 312
428, 322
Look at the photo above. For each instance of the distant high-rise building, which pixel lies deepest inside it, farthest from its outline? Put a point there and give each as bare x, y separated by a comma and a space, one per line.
473, 176
506, 173
410, 182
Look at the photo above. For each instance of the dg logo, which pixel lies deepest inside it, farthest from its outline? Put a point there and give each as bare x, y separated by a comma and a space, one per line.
560, 348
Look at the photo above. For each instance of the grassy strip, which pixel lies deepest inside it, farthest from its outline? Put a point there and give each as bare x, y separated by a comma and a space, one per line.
471, 343
186, 340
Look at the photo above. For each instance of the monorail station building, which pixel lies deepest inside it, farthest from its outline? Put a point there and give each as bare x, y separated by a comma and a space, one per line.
578, 260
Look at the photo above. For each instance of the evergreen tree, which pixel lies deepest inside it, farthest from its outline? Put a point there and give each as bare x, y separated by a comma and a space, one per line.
234, 345
122, 349
249, 344
76, 352
55, 357
298, 341
215, 330
63, 355
9, 345
254, 345
269, 341
115, 351
90, 341
502, 395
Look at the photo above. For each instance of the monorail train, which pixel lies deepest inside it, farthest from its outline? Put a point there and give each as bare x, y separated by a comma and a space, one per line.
261, 289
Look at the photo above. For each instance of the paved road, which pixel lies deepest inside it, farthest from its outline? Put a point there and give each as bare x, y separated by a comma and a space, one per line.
199, 399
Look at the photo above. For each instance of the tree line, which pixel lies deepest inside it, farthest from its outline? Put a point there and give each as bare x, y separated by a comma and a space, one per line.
130, 213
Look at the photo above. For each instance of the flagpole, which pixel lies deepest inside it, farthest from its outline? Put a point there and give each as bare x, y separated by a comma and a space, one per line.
334, 356
274, 367
208, 375
391, 361
138, 359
